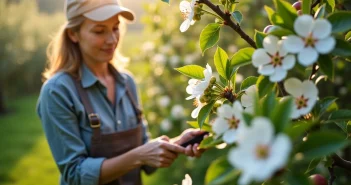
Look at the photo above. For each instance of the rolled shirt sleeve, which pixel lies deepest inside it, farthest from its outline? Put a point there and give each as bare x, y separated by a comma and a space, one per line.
61, 127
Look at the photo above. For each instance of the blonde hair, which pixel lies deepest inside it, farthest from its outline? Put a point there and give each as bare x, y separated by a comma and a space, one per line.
65, 55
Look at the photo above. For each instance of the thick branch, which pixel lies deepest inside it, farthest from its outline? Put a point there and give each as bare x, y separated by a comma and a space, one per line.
338, 161
229, 22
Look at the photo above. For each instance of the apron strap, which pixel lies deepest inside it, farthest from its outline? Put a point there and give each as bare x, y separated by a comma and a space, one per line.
94, 118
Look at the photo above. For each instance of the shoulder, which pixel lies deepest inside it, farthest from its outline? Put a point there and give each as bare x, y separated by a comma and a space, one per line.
61, 83
129, 77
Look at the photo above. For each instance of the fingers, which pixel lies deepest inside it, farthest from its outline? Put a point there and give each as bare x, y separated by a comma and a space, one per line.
189, 151
164, 138
194, 151
173, 147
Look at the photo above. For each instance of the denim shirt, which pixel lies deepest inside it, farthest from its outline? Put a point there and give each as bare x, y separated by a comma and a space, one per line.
67, 127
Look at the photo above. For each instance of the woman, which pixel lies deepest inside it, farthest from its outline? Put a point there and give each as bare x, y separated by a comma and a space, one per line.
89, 110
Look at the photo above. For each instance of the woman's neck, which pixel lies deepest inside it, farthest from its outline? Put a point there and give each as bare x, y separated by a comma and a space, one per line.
100, 70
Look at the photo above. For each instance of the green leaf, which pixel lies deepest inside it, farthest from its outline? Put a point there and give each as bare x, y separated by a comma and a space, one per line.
192, 71
273, 17
286, 12
348, 128
279, 31
341, 21
340, 115
323, 105
322, 143
210, 142
348, 36
342, 48
221, 172
264, 86
251, 80
166, 1
330, 5
320, 12
326, 65
233, 78
205, 126
313, 164
241, 58
247, 118
259, 36
268, 104
209, 36
306, 6
281, 114
342, 125
220, 61
232, 7
298, 129
237, 16
204, 112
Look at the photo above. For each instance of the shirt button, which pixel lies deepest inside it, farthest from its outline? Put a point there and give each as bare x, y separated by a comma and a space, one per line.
119, 122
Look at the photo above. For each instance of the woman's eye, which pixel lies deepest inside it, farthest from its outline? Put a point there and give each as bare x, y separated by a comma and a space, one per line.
116, 29
99, 31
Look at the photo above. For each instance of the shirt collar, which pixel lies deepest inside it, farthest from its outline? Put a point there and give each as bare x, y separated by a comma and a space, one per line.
88, 78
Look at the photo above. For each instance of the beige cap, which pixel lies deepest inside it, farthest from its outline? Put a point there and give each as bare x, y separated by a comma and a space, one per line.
97, 10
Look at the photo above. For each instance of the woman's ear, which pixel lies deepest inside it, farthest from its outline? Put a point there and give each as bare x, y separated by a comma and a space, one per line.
73, 35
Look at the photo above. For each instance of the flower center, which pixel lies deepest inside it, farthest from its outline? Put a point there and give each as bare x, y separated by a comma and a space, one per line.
301, 102
185, 14
233, 123
310, 41
276, 60
262, 151
196, 103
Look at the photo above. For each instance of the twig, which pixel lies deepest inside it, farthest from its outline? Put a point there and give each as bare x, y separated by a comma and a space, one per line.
229, 22
332, 176
342, 163
315, 4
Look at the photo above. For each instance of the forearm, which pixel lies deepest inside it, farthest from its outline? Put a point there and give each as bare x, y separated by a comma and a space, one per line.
116, 167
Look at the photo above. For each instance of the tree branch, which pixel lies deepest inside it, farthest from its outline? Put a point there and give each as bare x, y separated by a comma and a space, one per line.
314, 71
229, 22
332, 175
338, 161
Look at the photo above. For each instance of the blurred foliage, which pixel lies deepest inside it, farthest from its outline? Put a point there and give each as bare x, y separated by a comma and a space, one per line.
24, 37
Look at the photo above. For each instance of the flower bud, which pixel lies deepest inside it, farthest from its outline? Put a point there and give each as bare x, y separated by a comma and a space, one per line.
197, 17
208, 91
213, 80
222, 2
203, 99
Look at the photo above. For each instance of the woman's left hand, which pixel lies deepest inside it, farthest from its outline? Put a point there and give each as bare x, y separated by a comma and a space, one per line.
190, 150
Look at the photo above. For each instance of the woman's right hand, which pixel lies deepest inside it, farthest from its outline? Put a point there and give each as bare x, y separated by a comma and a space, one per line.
159, 152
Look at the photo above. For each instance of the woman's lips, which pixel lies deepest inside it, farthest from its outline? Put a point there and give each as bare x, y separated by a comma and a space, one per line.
109, 51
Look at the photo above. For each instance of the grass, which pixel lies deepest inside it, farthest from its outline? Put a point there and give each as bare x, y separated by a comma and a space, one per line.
25, 157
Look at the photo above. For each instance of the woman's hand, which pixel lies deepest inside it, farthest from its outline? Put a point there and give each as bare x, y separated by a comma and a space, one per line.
159, 152
190, 150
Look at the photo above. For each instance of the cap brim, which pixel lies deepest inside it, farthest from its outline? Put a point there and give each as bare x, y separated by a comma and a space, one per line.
105, 12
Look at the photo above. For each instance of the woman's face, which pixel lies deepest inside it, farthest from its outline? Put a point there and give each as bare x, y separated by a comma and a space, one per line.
98, 40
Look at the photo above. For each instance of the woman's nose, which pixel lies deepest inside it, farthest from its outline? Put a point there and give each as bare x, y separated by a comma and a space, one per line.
112, 38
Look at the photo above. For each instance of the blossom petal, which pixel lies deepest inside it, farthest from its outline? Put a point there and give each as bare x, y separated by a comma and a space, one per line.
270, 44
208, 72
321, 29
224, 111
278, 75
263, 127
266, 70
326, 45
237, 107
282, 51
220, 125
307, 56
295, 113
260, 57
294, 87
293, 44
230, 136
249, 110
185, 6
280, 151
195, 112
185, 25
247, 99
309, 89
187, 180
310, 104
303, 25
288, 62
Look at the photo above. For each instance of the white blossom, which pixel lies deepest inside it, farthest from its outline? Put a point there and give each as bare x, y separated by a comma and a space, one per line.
187, 180
199, 105
273, 60
229, 121
305, 95
313, 37
187, 10
174, 60
197, 87
177, 111
248, 98
259, 153
164, 101
159, 59
166, 125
